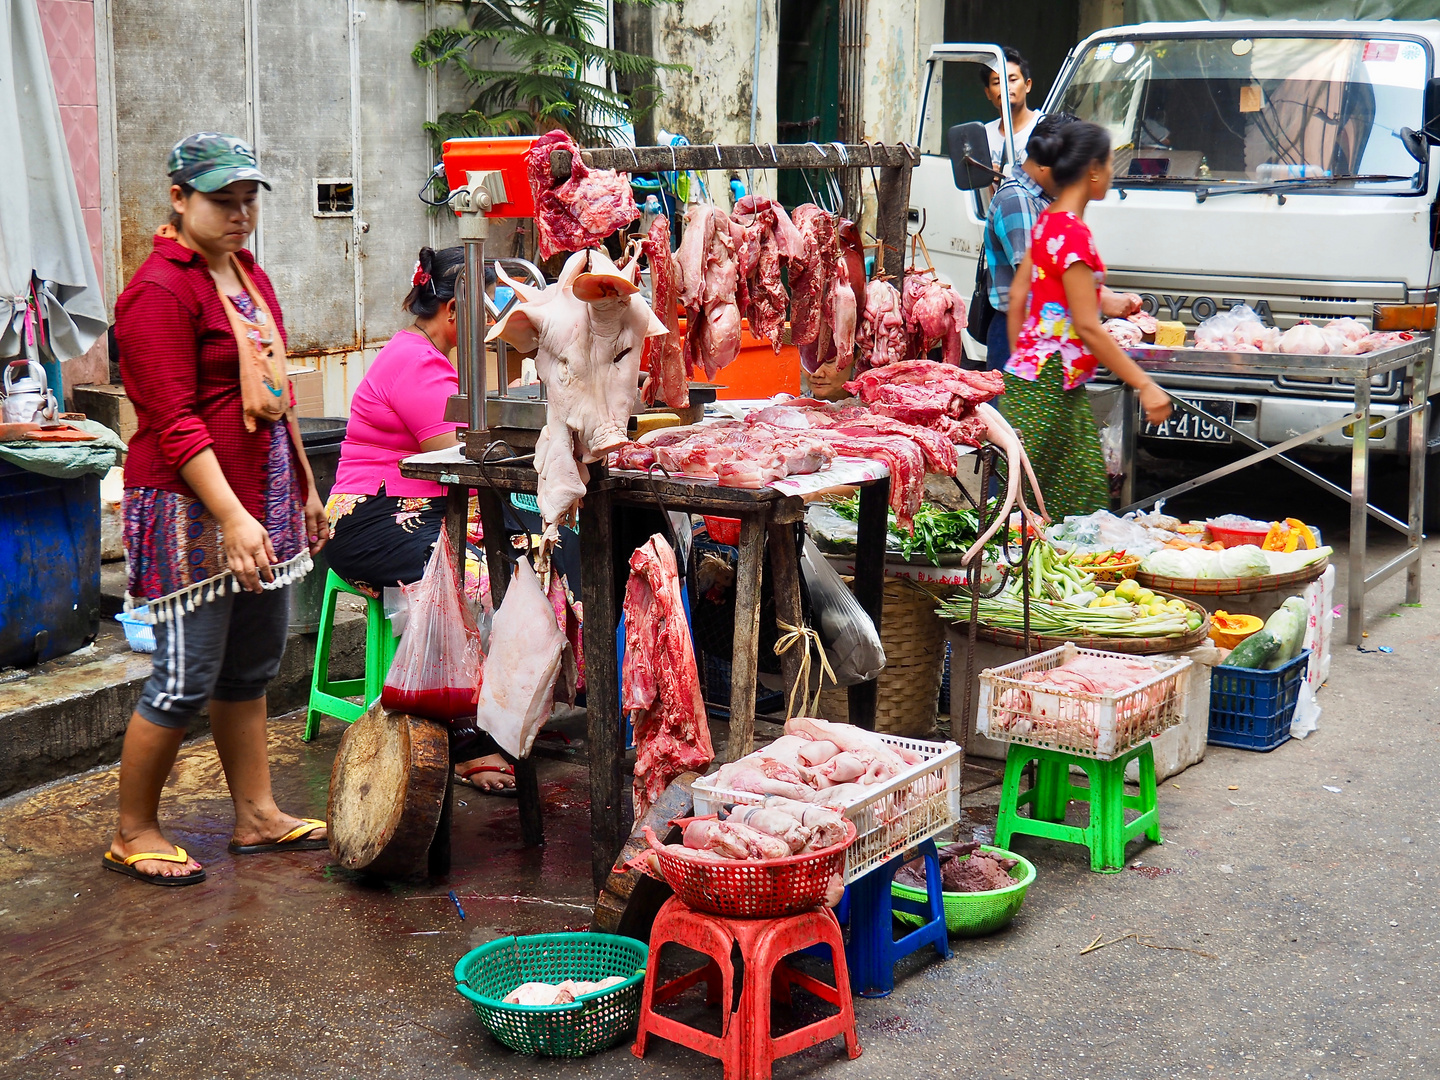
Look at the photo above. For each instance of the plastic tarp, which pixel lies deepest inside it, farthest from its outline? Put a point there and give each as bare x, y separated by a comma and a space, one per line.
42, 231
66, 460
1137, 11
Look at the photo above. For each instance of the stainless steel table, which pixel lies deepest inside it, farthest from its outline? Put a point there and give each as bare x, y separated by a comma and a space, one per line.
1414, 358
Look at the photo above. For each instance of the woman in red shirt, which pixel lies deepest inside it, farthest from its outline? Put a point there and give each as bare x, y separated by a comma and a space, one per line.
1056, 292
220, 510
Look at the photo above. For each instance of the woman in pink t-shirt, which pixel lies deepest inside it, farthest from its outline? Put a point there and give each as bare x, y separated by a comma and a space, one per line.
383, 525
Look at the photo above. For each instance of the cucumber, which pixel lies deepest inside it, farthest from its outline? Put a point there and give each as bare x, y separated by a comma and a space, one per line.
1254, 651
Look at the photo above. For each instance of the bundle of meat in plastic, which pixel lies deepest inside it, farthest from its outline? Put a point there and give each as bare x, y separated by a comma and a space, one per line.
581, 211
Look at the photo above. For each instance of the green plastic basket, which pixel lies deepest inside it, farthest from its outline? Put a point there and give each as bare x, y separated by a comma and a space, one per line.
591, 1023
979, 913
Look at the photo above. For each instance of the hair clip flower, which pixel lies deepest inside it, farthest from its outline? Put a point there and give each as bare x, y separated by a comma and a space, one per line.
420, 278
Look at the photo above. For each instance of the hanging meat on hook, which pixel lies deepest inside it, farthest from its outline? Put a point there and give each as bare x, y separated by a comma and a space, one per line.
934, 315
769, 239
582, 210
668, 382
709, 277
881, 332
587, 330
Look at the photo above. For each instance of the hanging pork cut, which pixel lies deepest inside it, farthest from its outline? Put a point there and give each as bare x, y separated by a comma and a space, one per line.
581, 211
527, 649
709, 277
934, 315
881, 330
588, 329
660, 685
770, 240
668, 382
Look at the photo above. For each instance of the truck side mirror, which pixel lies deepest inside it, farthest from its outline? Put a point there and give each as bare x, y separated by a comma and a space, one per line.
970, 156
1430, 125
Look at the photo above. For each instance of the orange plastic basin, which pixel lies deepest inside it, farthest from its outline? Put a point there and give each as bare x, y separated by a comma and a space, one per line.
757, 372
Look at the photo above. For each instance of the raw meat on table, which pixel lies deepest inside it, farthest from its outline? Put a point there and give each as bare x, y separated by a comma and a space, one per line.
668, 382
581, 211
659, 681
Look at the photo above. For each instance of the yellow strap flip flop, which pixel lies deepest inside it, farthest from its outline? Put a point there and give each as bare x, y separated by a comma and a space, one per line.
297, 839
126, 866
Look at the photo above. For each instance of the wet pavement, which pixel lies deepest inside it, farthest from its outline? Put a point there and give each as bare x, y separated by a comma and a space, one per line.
1287, 927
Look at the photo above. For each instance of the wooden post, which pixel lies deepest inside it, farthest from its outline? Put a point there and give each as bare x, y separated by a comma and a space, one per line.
870, 584
891, 215
602, 680
785, 579
457, 515
744, 655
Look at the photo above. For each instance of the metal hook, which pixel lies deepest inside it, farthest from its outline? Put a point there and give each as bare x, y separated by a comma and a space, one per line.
719, 159
818, 147
669, 528
840, 149
634, 158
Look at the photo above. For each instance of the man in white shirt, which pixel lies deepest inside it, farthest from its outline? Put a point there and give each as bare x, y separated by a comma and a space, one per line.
1017, 70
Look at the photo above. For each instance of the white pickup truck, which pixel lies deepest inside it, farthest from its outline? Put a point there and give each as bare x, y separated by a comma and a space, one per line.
1290, 166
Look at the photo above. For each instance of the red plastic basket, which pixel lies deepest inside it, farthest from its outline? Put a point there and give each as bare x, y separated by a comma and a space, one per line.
1238, 537
756, 888
723, 530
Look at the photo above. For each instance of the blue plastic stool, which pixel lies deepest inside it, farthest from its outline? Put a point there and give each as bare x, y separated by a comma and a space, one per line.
872, 951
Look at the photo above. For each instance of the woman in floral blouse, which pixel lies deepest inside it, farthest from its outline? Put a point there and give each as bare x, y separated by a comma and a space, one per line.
1057, 341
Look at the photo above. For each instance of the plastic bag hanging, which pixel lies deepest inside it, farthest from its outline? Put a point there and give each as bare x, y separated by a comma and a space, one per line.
851, 643
437, 665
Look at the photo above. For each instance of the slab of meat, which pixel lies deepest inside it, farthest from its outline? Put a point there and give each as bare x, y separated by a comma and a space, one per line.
668, 382
736, 454
881, 332
814, 275
581, 211
526, 651
934, 315
709, 277
588, 329
659, 682
769, 238
905, 460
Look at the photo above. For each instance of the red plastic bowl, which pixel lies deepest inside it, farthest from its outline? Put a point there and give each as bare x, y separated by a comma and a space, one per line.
723, 530
1239, 537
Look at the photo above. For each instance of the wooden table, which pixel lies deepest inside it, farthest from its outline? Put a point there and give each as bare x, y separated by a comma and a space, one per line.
768, 519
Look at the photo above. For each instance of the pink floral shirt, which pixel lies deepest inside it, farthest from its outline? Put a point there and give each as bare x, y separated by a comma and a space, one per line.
1058, 242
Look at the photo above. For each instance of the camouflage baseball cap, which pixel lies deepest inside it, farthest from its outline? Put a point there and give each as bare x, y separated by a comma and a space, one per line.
207, 161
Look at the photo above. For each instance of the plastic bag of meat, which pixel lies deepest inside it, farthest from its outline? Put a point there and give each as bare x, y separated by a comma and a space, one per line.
851, 644
437, 664
526, 650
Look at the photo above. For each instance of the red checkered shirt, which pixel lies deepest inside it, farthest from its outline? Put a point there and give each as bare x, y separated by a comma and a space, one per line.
181, 370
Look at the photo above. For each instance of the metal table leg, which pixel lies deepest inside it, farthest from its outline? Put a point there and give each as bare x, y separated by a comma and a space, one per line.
1359, 497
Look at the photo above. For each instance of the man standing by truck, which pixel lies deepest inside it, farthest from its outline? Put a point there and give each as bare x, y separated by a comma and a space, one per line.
1017, 84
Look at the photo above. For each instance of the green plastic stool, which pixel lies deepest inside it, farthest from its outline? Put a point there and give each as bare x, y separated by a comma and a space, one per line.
329, 697
1107, 832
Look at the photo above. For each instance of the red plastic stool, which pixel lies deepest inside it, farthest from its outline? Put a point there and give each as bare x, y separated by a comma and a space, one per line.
745, 1045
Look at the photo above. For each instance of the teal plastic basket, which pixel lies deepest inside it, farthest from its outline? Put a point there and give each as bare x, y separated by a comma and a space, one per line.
589, 1024
977, 913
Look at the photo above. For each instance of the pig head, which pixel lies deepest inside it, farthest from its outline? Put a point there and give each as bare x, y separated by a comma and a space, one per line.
588, 331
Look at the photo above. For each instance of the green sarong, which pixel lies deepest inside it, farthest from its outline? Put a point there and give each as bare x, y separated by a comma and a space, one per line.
1061, 439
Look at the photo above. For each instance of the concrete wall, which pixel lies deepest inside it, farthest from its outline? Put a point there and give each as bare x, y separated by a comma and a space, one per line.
711, 103
280, 74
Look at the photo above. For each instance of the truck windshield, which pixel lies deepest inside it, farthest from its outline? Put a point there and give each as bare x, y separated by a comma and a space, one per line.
1255, 110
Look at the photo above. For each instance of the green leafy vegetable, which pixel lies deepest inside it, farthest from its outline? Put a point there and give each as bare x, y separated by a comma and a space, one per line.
937, 531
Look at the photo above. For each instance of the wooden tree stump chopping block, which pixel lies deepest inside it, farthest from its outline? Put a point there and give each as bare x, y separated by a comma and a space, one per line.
387, 791
630, 900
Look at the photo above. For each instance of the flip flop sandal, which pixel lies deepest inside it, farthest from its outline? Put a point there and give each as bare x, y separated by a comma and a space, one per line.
499, 793
297, 839
126, 866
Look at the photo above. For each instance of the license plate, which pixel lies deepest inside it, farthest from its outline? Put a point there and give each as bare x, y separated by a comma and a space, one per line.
1192, 428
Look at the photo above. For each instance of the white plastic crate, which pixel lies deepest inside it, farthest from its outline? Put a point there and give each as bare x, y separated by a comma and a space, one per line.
890, 818
1101, 726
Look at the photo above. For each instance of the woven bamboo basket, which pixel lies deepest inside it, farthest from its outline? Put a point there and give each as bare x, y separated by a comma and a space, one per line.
914, 641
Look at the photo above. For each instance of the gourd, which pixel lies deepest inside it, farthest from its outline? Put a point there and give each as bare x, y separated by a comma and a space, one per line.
1255, 651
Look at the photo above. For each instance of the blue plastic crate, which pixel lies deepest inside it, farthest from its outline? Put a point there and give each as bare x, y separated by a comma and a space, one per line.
1252, 709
